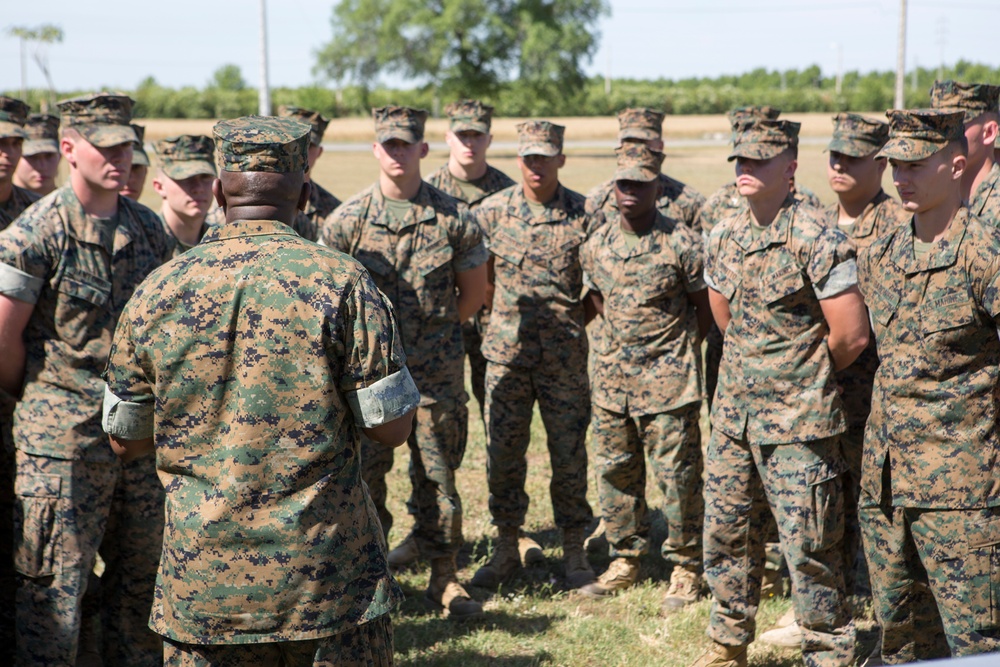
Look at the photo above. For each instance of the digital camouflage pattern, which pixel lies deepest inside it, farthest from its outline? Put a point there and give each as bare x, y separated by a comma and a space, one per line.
414, 262
19, 200
313, 118
985, 203
237, 449
640, 123
261, 143
536, 349
974, 99
321, 205
469, 115
405, 123
13, 114
801, 486
776, 380
857, 136
103, 119
43, 134
539, 137
764, 139
139, 156
916, 134
305, 226
742, 115
186, 155
677, 200
637, 162
178, 246
368, 645
727, 202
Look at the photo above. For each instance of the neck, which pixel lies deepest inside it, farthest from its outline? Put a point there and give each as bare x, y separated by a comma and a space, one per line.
852, 205
472, 172
931, 225
971, 180
640, 224
6, 189
185, 228
540, 195
97, 202
764, 207
404, 187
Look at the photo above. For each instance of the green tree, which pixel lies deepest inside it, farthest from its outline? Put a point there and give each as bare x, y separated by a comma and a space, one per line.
462, 47
229, 78
43, 36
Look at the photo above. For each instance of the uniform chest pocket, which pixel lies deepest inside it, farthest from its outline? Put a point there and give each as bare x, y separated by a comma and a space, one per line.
374, 261
82, 285
561, 254
781, 283
660, 282
433, 257
507, 249
944, 319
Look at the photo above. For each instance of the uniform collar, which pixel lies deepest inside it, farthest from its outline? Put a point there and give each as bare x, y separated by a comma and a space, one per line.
776, 233
246, 228
422, 209
989, 186
555, 208
943, 253
647, 242
111, 236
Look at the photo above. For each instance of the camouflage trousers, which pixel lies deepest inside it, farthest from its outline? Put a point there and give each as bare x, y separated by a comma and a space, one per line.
437, 446
935, 580
801, 485
563, 396
368, 645
67, 512
472, 339
672, 440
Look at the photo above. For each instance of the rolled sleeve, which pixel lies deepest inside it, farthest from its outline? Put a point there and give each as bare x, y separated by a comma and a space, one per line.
841, 278
471, 258
128, 420
20, 285
388, 399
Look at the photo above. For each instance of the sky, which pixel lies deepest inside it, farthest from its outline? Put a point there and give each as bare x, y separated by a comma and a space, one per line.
182, 42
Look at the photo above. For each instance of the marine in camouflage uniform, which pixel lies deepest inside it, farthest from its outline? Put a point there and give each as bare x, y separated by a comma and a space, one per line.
321, 202
13, 113
536, 350
784, 292
426, 254
65, 275
272, 551
644, 273
39, 165
930, 486
981, 181
136, 181
184, 177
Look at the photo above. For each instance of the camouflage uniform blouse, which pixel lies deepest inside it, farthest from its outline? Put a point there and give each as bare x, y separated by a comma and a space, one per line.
257, 349
985, 203
19, 200
776, 381
320, 206
78, 271
647, 361
934, 408
538, 281
492, 181
414, 263
727, 202
677, 201
303, 225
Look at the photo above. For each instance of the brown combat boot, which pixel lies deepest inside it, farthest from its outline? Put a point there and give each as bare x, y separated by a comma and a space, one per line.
621, 574
722, 656
445, 591
406, 553
578, 570
504, 562
530, 551
685, 587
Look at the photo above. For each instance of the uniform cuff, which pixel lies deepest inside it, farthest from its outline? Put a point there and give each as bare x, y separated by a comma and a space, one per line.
708, 280
19, 285
841, 278
389, 398
471, 259
125, 419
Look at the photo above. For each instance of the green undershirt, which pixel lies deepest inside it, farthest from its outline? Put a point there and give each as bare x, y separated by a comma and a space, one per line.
921, 249
398, 209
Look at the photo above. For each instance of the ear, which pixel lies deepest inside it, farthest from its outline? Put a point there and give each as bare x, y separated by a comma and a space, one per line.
220, 197
561, 161
990, 131
424, 149
66, 147
881, 163
376, 149
790, 169
489, 140
158, 186
958, 164
304, 195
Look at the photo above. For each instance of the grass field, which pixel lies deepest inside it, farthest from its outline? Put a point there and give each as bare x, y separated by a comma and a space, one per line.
535, 621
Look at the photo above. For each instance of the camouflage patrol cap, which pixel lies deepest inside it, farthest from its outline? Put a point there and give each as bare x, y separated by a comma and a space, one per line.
640, 123
915, 134
13, 114
638, 162
262, 143
539, 137
469, 116
314, 118
139, 156
43, 134
743, 115
856, 135
186, 155
392, 122
763, 139
102, 119
972, 98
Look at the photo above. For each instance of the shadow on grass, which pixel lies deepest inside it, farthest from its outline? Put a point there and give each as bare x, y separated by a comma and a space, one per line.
426, 629
474, 659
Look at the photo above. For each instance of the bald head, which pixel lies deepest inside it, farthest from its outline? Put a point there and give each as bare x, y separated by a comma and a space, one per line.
261, 195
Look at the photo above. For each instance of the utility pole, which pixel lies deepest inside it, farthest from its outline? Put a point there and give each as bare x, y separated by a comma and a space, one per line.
942, 39
264, 103
901, 58
607, 74
840, 66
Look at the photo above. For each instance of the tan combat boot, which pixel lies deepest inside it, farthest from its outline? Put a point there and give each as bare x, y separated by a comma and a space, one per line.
530, 551
685, 587
578, 570
445, 591
722, 656
621, 574
406, 553
504, 562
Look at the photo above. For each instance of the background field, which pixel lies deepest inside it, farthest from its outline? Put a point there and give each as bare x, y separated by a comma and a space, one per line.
535, 621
